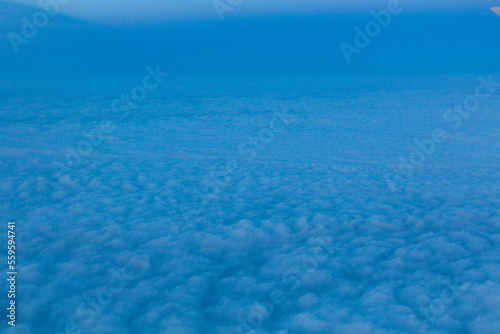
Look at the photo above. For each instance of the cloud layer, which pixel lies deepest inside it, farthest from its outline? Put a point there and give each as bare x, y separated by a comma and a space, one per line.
106, 249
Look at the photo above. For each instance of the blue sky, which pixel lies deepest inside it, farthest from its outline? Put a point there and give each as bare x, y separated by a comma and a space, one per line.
121, 38
119, 11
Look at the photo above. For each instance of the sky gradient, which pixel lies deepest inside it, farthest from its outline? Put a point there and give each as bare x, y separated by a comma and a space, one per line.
90, 39
136, 11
